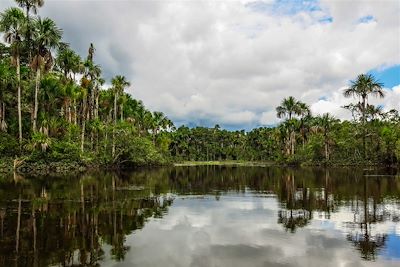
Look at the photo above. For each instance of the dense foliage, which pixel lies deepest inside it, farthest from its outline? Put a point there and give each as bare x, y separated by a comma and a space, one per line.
55, 106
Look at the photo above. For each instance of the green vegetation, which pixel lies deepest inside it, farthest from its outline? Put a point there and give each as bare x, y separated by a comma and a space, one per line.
55, 110
226, 163
56, 113
373, 137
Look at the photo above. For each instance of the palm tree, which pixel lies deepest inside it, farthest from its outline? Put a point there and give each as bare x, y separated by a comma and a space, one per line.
364, 86
29, 5
324, 124
94, 71
160, 121
305, 115
12, 23
119, 83
291, 107
84, 94
67, 93
288, 108
91, 52
374, 112
67, 60
100, 82
46, 36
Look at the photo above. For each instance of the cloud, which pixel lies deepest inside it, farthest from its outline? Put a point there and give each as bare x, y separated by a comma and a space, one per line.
231, 232
336, 101
232, 62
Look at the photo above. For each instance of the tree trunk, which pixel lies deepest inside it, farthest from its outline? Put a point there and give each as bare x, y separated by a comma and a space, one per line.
75, 113
364, 128
326, 150
115, 123
28, 33
105, 140
96, 114
3, 117
19, 100
122, 111
292, 142
84, 115
35, 111
69, 112
92, 103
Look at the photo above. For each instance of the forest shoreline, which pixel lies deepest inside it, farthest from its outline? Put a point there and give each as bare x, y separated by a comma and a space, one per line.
19, 166
22, 166
278, 164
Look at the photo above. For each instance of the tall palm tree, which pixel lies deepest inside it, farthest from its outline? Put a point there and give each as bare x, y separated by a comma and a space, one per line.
324, 124
46, 36
94, 72
159, 122
119, 83
29, 5
364, 86
12, 23
84, 94
67, 60
288, 108
305, 115
100, 82
291, 107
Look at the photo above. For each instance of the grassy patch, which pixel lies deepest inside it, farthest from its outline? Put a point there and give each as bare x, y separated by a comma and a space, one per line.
225, 163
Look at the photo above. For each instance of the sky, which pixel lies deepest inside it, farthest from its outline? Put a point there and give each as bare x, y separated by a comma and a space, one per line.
231, 62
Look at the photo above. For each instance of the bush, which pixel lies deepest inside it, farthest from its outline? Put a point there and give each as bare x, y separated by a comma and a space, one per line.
137, 151
64, 150
8, 145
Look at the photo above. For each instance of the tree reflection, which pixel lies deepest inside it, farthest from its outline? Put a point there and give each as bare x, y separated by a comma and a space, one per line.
67, 220
361, 235
295, 212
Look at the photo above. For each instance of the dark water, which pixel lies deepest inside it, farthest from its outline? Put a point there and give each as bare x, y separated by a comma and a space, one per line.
203, 216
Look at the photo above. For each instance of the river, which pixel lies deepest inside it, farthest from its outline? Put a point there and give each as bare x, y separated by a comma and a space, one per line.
202, 216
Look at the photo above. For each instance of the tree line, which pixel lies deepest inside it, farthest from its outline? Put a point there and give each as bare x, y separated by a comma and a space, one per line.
372, 137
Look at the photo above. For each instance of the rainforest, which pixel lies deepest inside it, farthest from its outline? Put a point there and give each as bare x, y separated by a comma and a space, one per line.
59, 113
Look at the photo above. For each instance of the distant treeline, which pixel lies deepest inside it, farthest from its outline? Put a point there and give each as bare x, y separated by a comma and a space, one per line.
372, 137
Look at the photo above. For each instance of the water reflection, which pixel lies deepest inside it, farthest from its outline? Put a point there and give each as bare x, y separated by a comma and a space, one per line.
202, 216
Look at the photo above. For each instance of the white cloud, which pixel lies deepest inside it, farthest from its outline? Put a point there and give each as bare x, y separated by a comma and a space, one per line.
210, 62
269, 118
336, 101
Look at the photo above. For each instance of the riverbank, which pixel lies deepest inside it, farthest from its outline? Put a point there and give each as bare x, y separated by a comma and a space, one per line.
42, 167
226, 163
25, 165
279, 163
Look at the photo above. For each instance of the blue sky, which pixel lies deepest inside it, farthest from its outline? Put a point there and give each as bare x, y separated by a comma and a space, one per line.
390, 77
392, 248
